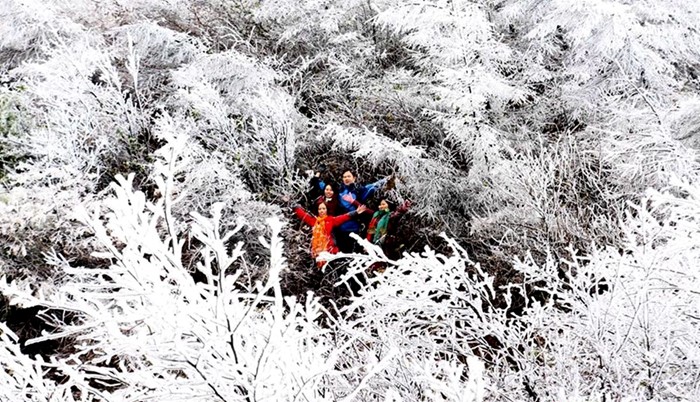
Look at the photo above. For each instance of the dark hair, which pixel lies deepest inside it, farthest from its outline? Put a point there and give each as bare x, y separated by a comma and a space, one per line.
333, 185
391, 204
351, 170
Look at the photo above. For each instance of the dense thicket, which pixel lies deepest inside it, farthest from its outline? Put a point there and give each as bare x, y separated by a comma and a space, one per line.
549, 149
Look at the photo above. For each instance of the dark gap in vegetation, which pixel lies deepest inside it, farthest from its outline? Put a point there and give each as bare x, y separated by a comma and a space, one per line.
27, 324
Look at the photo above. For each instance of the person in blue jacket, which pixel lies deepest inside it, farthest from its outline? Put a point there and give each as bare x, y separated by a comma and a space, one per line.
350, 195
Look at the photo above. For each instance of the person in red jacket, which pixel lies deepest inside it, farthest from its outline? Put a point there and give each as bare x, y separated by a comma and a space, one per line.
322, 229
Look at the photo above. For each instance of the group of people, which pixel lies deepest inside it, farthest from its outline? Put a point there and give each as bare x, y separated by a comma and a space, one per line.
342, 210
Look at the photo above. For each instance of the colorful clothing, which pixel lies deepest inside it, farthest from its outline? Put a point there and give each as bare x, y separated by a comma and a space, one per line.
359, 194
322, 231
379, 226
331, 204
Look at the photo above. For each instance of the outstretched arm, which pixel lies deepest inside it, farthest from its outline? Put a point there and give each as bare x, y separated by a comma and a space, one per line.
304, 216
340, 219
356, 204
401, 209
317, 182
370, 189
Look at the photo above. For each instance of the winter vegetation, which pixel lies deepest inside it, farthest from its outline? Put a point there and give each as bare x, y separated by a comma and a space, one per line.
549, 148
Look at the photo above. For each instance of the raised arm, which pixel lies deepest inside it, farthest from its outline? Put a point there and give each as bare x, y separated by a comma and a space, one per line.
369, 189
304, 216
402, 209
318, 183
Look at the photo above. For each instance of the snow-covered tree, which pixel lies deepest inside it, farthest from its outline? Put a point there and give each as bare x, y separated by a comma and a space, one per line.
145, 327
146, 145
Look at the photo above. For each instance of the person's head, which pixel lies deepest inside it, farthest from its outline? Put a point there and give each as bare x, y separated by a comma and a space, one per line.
348, 177
328, 191
322, 210
384, 205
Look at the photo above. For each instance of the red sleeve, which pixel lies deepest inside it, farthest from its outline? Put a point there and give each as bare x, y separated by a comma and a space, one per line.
304, 216
340, 219
370, 229
357, 204
401, 210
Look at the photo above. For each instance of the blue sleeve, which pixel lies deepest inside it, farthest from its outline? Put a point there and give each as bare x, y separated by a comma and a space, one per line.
367, 191
315, 181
